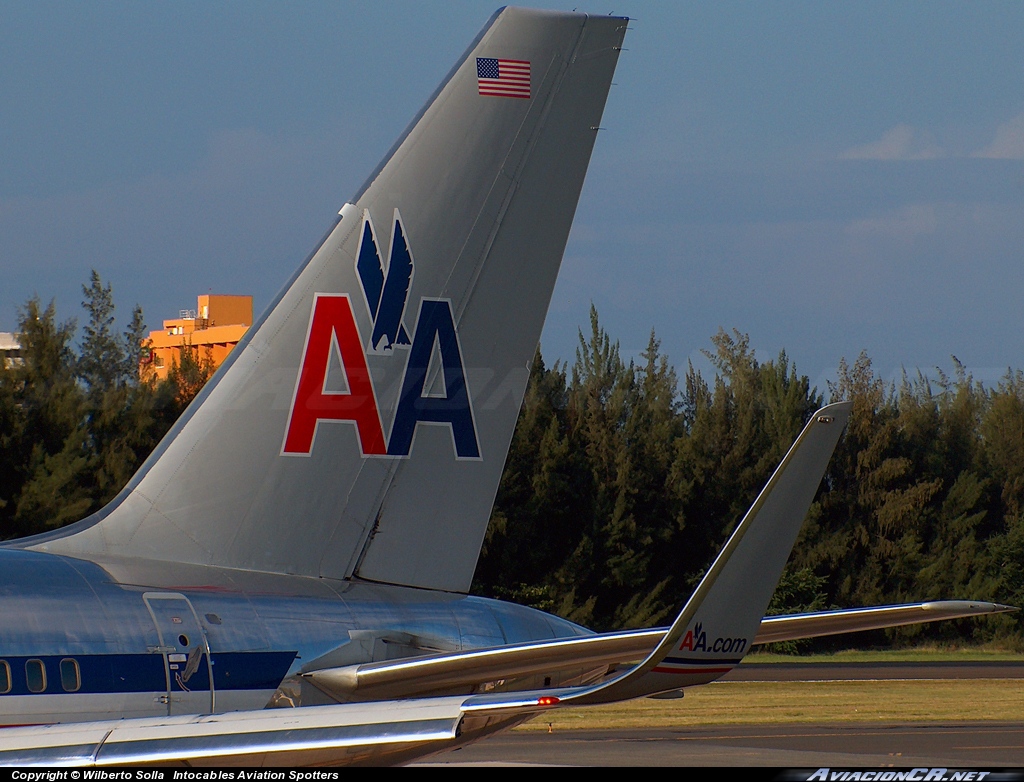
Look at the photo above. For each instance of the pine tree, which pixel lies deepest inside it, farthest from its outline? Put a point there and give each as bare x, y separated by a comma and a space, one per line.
45, 447
101, 364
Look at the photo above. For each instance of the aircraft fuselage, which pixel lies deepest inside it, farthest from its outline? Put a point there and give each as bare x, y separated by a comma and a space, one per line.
82, 640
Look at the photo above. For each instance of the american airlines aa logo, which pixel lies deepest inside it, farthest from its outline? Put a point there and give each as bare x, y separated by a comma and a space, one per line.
333, 333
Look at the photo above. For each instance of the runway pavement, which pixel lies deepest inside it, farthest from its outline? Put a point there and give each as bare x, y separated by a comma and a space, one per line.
973, 745
848, 745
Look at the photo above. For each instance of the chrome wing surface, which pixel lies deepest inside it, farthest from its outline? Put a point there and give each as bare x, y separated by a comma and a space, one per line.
466, 671
713, 631
379, 732
395, 731
795, 627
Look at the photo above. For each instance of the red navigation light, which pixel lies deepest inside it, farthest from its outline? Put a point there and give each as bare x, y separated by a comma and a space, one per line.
547, 700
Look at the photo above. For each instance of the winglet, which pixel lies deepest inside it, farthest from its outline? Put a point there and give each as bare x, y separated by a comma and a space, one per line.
718, 624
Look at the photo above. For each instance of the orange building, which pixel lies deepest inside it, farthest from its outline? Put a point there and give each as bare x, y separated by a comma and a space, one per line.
212, 329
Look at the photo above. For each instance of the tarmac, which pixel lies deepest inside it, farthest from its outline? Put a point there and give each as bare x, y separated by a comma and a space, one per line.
967, 745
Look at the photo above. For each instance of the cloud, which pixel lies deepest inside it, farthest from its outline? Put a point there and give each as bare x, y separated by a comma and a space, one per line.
1008, 143
238, 221
900, 143
902, 224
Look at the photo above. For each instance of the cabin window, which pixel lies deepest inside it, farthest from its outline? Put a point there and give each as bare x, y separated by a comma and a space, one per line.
5, 677
70, 676
35, 675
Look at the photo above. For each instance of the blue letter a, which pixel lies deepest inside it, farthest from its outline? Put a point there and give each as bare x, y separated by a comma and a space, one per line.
435, 324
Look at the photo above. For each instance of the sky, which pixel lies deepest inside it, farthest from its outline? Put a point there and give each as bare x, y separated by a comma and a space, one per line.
828, 178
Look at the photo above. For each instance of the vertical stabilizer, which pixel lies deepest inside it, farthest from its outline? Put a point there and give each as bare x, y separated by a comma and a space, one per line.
361, 428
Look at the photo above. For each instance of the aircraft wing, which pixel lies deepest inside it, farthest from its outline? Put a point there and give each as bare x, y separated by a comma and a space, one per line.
379, 732
466, 671
852, 620
713, 631
393, 731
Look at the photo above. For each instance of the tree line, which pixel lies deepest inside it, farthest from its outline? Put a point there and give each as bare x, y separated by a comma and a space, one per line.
77, 420
623, 479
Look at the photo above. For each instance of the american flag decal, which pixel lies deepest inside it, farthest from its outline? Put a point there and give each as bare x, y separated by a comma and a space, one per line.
503, 78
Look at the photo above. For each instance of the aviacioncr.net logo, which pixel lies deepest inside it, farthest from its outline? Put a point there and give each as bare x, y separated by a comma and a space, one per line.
912, 775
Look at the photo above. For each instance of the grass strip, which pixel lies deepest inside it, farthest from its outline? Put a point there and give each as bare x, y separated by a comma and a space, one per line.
728, 703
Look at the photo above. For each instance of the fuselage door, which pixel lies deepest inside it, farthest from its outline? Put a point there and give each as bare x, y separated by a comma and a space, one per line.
188, 668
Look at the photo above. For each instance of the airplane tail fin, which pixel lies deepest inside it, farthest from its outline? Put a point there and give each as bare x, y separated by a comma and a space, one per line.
361, 427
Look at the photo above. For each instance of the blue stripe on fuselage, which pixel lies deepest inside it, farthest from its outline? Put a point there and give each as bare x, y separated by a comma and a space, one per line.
114, 673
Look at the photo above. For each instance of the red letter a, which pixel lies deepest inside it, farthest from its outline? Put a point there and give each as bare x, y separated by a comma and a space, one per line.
332, 318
